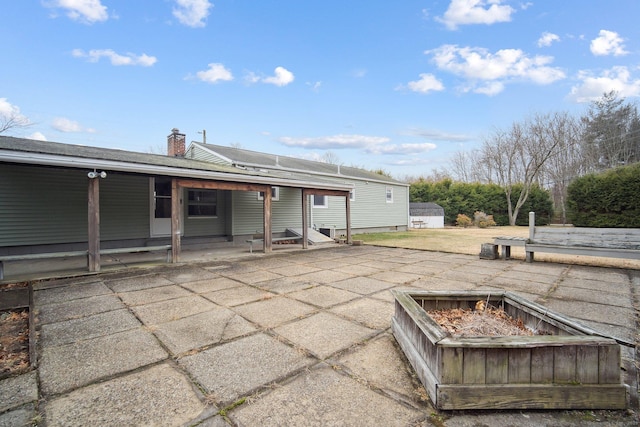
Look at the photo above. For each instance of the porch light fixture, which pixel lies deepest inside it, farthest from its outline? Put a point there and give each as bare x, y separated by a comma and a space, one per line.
94, 174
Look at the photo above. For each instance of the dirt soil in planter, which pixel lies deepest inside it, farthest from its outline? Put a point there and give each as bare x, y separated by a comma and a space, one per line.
482, 321
14, 338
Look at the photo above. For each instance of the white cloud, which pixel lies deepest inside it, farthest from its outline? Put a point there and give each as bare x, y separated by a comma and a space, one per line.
426, 84
85, 11
546, 39
437, 135
117, 59
282, 77
334, 141
465, 12
402, 148
8, 111
63, 124
38, 136
593, 87
315, 86
488, 72
192, 13
216, 73
608, 43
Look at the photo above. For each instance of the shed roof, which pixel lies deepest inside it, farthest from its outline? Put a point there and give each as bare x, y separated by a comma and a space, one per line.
425, 209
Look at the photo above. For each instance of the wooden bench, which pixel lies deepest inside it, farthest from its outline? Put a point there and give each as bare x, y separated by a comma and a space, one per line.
506, 242
601, 242
417, 222
273, 239
71, 254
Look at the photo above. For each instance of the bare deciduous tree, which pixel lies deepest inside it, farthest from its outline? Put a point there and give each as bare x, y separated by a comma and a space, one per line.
10, 117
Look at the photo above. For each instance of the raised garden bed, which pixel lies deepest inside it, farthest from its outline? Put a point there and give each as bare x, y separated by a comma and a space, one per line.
17, 334
566, 366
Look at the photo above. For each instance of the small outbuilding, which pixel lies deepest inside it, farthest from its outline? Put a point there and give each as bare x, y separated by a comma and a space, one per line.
426, 215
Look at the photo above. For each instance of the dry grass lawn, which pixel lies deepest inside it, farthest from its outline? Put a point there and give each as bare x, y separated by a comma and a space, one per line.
468, 241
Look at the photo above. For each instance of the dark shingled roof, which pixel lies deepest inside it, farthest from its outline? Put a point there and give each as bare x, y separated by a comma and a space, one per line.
425, 209
253, 158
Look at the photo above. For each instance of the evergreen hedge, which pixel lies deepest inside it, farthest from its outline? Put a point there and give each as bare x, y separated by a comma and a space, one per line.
607, 199
465, 198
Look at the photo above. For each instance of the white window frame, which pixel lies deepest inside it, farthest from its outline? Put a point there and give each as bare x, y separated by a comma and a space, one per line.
389, 194
352, 195
275, 194
323, 206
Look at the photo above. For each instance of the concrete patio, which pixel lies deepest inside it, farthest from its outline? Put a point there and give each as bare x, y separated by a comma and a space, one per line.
299, 338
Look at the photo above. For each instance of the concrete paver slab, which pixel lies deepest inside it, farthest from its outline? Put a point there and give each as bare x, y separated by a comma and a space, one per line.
370, 312
239, 295
322, 398
70, 366
202, 329
18, 390
77, 308
600, 296
324, 334
188, 273
325, 276
286, 285
362, 285
323, 296
23, 416
252, 277
380, 362
166, 311
240, 367
97, 325
156, 396
397, 277
272, 312
210, 285
136, 283
68, 293
293, 270
151, 295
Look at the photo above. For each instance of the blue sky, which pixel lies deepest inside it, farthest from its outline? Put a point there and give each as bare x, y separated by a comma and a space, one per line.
393, 85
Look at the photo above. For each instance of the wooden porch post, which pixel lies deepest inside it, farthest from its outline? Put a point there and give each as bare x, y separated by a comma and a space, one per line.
305, 225
93, 258
176, 220
348, 210
266, 209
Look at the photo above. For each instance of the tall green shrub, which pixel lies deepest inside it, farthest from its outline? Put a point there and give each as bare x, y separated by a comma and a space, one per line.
607, 199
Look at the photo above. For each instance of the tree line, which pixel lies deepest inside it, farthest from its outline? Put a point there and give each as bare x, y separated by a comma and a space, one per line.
548, 151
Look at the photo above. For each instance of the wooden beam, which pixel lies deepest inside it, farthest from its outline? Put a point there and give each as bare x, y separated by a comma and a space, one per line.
176, 219
266, 210
94, 225
320, 192
222, 185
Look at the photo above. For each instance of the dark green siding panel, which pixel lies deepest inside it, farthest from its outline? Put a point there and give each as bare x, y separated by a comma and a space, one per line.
42, 205
124, 207
194, 227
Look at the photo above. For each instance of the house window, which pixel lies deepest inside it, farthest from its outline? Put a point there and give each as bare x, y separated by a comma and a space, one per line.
389, 195
320, 201
352, 195
275, 194
202, 204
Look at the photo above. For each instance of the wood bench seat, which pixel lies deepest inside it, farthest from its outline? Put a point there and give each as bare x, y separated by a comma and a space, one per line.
506, 242
71, 254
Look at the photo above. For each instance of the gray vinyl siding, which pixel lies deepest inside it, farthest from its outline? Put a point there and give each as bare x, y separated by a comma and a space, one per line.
197, 153
206, 226
369, 209
48, 206
285, 213
42, 205
124, 207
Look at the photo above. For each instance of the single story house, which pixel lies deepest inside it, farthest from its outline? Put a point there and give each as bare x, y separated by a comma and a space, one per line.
426, 215
59, 198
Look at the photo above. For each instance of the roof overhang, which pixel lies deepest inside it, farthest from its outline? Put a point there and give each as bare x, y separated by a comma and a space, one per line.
76, 162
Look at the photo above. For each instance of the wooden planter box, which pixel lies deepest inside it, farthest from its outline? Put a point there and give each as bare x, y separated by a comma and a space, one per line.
571, 368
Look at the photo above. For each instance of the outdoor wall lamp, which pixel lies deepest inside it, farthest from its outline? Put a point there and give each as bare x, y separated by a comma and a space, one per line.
95, 174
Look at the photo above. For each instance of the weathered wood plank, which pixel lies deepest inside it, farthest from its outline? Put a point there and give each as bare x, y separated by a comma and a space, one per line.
564, 364
542, 365
465, 397
519, 366
450, 365
587, 364
496, 366
609, 364
473, 366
